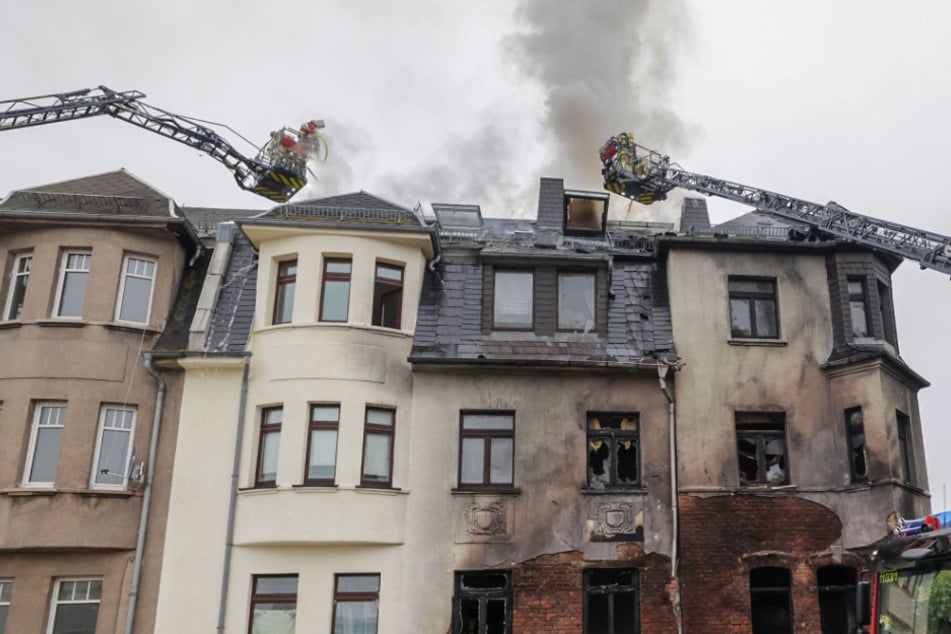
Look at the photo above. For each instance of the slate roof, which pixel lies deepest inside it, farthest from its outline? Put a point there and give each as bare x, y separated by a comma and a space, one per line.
358, 207
230, 327
174, 338
205, 220
449, 327
117, 192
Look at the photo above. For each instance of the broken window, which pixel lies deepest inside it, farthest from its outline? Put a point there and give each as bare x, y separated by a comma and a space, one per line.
761, 448
576, 301
322, 445
269, 440
836, 585
20, 275
274, 604
613, 452
387, 295
855, 438
513, 307
858, 303
753, 307
770, 601
487, 449
904, 446
378, 448
482, 603
356, 604
611, 601
284, 291
335, 293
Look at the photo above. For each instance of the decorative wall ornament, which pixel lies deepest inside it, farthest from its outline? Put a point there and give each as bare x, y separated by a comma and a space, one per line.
488, 519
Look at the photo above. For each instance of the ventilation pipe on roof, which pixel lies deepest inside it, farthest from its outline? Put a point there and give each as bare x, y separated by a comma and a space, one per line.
662, 371
147, 495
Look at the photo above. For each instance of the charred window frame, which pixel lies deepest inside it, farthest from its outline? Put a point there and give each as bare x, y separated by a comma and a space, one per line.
269, 443
836, 589
284, 288
378, 437
771, 600
754, 311
482, 602
761, 449
19, 277
387, 295
612, 601
855, 439
903, 423
486, 449
577, 301
335, 290
321, 462
613, 450
273, 603
513, 303
858, 306
356, 603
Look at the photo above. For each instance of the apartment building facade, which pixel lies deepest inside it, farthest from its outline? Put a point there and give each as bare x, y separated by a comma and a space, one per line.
91, 270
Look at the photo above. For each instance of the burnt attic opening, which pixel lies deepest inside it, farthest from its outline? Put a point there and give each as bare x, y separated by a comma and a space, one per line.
585, 213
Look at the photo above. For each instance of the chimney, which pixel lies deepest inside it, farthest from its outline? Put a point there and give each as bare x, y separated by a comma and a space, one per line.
551, 204
694, 217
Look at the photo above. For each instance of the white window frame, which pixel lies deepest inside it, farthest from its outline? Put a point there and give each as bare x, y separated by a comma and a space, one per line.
55, 601
129, 447
6, 594
34, 432
122, 284
60, 285
15, 275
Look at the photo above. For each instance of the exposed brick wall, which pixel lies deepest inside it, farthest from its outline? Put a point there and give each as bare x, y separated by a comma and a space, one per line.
548, 592
723, 537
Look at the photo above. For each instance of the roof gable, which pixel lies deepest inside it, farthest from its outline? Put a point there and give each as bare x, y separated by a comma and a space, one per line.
118, 192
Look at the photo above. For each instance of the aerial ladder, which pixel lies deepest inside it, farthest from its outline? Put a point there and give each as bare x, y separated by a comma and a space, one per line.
277, 172
646, 176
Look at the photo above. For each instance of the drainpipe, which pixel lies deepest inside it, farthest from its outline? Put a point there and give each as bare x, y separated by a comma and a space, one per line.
229, 540
147, 496
662, 371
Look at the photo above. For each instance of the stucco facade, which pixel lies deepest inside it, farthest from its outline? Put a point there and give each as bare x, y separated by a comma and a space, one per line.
89, 280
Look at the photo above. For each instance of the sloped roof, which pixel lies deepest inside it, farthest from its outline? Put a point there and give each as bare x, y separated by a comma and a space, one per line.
360, 208
118, 192
205, 220
230, 326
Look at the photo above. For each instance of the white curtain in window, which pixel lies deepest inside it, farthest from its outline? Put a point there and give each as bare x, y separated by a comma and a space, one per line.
356, 617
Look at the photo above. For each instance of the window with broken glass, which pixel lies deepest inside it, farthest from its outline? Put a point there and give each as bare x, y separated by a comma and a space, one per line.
855, 438
836, 586
486, 449
482, 603
611, 602
858, 306
753, 311
761, 449
613, 450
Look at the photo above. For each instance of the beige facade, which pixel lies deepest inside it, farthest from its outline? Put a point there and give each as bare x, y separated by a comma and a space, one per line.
78, 404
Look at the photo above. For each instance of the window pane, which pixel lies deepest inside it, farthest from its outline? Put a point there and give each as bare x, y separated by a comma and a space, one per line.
513, 299
6, 591
76, 618
338, 266
325, 413
387, 301
376, 458
501, 461
358, 583
380, 417
473, 459
626, 461
21, 274
46, 454
3, 618
599, 463
624, 612
113, 451
274, 618
270, 442
323, 454
135, 300
355, 617
74, 294
576, 302
275, 585
394, 273
487, 421
740, 318
753, 287
859, 321
336, 300
284, 304
765, 318
495, 616
597, 615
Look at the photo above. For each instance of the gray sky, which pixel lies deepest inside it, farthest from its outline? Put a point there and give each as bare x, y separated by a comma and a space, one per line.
472, 102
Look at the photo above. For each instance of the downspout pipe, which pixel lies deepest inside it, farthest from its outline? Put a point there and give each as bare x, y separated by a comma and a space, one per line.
147, 495
668, 393
233, 497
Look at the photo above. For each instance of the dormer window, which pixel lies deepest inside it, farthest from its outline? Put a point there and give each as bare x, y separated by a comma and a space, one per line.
513, 306
586, 213
576, 302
